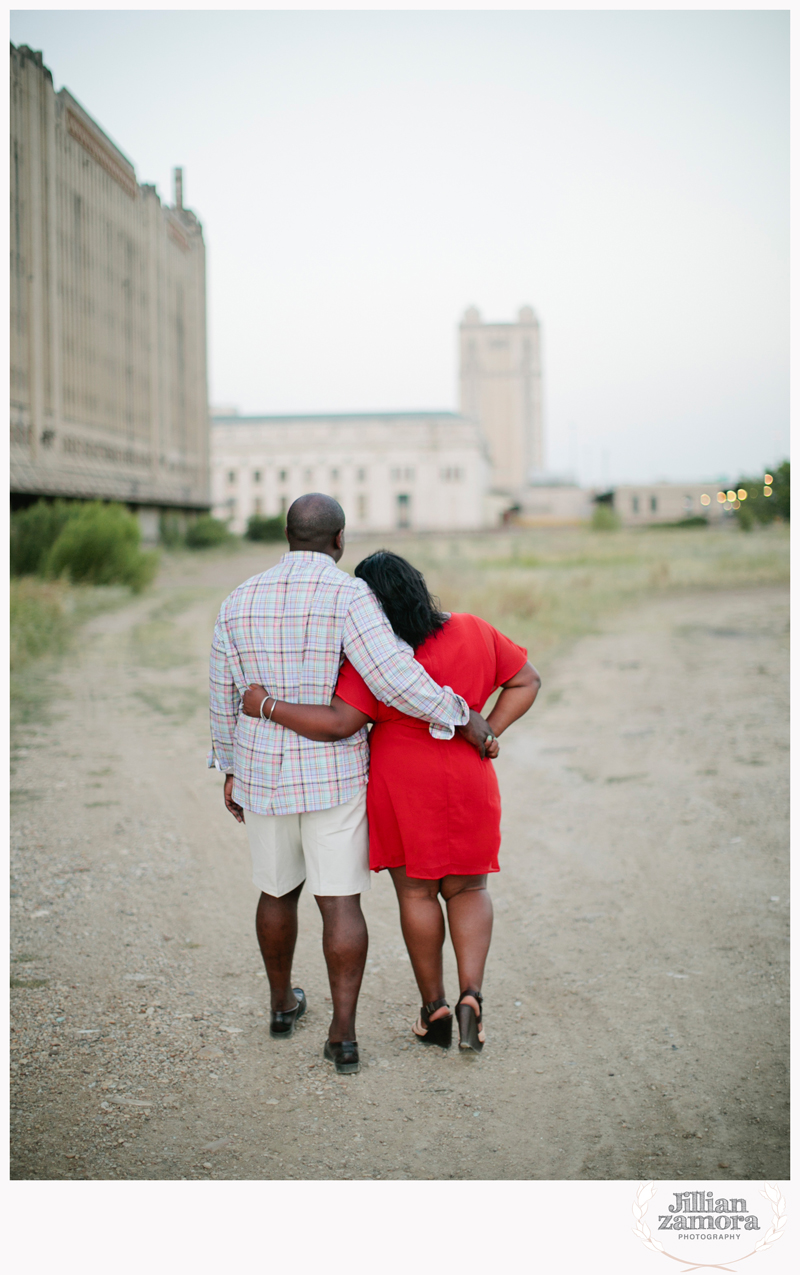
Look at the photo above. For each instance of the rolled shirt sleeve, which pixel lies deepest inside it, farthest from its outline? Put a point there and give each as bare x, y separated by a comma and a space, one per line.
389, 669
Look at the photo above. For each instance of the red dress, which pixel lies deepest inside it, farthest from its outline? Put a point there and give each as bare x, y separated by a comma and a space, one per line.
434, 804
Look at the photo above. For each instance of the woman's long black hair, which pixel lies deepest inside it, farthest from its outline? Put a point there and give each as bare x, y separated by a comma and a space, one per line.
402, 592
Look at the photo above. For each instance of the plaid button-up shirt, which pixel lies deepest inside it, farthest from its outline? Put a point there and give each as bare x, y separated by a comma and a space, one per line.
287, 629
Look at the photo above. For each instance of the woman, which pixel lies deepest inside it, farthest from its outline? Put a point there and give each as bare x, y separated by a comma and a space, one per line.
433, 805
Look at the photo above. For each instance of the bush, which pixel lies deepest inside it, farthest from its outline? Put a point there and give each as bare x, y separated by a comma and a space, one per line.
605, 518
259, 528
695, 520
765, 509
206, 533
34, 531
100, 544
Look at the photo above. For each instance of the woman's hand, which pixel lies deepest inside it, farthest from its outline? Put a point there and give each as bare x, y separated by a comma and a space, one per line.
253, 699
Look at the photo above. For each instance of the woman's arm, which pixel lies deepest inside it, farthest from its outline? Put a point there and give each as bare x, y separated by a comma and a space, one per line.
516, 697
337, 720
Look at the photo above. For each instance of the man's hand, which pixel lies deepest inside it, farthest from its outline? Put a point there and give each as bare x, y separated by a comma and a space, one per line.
253, 699
230, 804
478, 733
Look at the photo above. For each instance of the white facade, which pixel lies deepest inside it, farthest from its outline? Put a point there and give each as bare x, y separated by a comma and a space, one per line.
108, 314
426, 471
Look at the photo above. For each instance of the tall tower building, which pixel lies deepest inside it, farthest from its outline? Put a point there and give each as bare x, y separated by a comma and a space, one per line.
501, 387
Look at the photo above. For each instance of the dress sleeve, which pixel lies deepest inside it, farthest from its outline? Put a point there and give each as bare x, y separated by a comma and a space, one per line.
508, 656
352, 688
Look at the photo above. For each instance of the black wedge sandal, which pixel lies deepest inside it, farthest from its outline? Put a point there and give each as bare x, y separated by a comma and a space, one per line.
470, 1024
440, 1031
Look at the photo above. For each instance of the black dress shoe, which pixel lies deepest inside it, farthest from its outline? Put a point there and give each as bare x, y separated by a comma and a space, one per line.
282, 1021
343, 1054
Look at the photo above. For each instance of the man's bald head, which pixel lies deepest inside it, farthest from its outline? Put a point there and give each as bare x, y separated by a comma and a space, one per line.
314, 523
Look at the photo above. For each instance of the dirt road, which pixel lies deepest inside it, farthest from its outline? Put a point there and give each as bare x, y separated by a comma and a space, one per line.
636, 1003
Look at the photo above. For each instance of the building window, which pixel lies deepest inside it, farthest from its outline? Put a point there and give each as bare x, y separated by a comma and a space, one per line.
256, 475
231, 507
362, 508
399, 474
635, 504
308, 474
231, 475
282, 475
653, 504
257, 506
334, 475
361, 475
284, 505
403, 509
451, 474
688, 504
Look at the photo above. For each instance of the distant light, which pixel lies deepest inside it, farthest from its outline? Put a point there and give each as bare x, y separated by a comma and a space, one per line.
768, 478
767, 491
736, 504
742, 494
727, 505
705, 500
720, 496
731, 495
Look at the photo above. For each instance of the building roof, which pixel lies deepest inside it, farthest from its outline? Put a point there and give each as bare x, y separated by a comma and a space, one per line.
236, 419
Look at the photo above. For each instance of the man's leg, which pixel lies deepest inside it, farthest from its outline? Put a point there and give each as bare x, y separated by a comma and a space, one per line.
276, 930
344, 944
336, 849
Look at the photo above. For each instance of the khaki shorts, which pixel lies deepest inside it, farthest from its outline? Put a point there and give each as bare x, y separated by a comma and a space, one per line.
327, 848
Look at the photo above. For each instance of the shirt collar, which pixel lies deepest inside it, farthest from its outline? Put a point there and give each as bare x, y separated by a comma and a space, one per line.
308, 556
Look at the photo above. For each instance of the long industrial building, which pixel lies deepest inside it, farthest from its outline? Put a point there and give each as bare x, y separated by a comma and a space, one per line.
423, 470
108, 315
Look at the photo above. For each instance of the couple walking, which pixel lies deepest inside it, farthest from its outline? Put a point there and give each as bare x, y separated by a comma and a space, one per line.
288, 725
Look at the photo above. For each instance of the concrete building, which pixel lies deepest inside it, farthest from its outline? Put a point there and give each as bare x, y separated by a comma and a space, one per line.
108, 315
392, 470
500, 385
554, 504
645, 504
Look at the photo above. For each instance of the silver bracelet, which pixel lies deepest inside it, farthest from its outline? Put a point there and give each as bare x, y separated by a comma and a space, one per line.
261, 709
272, 710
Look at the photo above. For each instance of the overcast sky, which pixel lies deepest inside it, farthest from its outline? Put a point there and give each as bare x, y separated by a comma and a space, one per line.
362, 177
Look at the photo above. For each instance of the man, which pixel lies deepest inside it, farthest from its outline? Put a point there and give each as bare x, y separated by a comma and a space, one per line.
304, 802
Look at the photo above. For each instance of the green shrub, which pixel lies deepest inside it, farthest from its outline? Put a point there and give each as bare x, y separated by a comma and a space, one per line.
605, 518
260, 528
696, 520
206, 533
100, 544
765, 509
34, 531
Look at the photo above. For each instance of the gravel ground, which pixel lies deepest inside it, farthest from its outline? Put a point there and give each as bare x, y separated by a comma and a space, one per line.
636, 1003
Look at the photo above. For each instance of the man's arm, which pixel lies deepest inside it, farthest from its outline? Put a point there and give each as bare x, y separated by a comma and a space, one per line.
389, 669
223, 703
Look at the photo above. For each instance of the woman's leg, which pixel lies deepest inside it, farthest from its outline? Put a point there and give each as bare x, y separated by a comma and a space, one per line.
469, 914
422, 924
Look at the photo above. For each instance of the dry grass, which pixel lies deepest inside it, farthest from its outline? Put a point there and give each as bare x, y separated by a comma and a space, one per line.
546, 587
